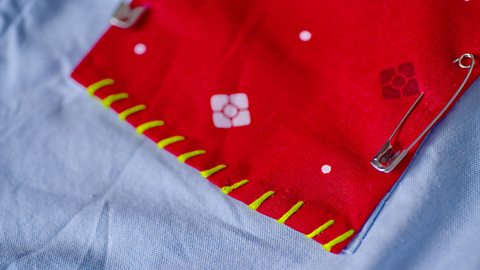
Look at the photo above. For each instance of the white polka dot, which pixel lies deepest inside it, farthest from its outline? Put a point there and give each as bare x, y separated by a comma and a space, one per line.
140, 48
326, 169
305, 35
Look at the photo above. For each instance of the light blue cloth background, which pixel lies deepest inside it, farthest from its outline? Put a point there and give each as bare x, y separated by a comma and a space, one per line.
79, 189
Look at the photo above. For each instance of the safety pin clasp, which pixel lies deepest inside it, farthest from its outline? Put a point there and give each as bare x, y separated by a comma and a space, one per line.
125, 16
386, 158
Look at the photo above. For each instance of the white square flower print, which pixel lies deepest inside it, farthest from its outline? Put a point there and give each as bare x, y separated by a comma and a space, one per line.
230, 110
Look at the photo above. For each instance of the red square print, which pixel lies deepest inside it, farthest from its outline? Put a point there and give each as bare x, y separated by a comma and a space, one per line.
398, 81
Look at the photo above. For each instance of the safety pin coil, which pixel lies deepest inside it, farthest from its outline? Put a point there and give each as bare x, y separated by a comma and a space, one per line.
387, 159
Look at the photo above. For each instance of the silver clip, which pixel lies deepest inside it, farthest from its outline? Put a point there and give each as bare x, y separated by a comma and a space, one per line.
387, 159
125, 16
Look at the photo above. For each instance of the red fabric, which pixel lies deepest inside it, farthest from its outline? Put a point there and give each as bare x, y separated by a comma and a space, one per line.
333, 99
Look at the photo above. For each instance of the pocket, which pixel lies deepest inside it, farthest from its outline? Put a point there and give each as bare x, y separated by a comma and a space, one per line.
283, 107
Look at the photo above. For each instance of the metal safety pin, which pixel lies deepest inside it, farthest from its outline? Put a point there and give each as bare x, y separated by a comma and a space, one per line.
387, 159
125, 16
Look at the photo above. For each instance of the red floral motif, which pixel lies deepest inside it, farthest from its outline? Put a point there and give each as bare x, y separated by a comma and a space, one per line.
399, 81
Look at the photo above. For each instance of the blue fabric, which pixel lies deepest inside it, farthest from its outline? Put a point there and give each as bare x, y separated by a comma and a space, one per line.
79, 189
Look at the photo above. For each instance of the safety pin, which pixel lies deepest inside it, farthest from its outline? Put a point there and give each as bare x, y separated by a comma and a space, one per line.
387, 159
125, 16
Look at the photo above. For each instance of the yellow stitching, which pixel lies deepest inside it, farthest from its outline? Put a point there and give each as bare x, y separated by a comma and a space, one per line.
228, 189
207, 173
148, 125
100, 84
107, 102
290, 212
165, 142
320, 229
254, 205
185, 156
328, 246
123, 115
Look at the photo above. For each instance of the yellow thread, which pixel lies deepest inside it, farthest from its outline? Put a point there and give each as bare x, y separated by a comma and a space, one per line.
107, 102
184, 157
228, 189
290, 212
165, 142
207, 173
254, 205
148, 125
328, 246
100, 84
320, 229
123, 115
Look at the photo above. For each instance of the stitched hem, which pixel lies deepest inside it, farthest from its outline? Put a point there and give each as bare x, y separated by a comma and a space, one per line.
332, 231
